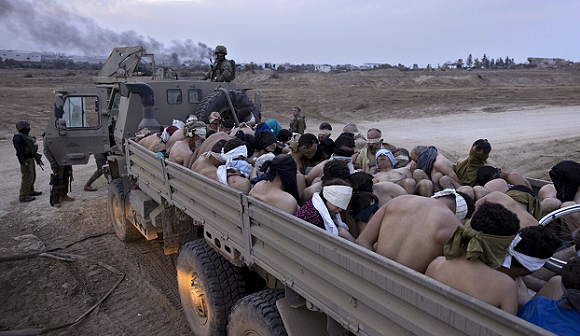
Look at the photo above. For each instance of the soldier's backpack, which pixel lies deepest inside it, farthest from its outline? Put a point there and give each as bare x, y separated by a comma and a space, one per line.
233, 63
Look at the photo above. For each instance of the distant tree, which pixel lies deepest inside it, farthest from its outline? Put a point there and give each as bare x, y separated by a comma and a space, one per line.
251, 67
469, 61
508, 62
492, 64
281, 68
477, 63
429, 67
499, 63
415, 66
485, 61
459, 64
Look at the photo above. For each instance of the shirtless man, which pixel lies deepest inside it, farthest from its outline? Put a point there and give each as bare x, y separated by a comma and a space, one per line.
235, 172
333, 169
208, 163
384, 172
280, 189
343, 150
207, 145
326, 142
472, 270
182, 151
468, 170
434, 166
153, 142
359, 141
303, 150
410, 230
564, 192
365, 159
528, 252
520, 209
247, 123
180, 134
265, 142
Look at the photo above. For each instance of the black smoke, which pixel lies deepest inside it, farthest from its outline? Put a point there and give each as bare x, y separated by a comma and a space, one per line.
48, 26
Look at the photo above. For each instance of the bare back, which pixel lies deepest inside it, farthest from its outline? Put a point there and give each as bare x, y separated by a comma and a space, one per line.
181, 153
414, 230
176, 136
266, 192
478, 280
520, 209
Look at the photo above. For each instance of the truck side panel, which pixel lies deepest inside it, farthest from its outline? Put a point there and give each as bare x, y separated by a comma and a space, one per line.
365, 292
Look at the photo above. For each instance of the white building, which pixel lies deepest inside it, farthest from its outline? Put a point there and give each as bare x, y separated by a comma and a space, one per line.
18, 55
322, 68
89, 59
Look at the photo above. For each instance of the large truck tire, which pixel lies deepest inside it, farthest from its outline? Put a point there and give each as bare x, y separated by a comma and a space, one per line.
209, 286
216, 101
257, 315
124, 230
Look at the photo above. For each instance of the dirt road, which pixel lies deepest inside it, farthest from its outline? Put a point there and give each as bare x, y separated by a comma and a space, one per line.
528, 136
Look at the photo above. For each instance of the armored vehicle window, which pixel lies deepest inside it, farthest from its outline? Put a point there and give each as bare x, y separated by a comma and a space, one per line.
194, 96
174, 96
116, 99
81, 112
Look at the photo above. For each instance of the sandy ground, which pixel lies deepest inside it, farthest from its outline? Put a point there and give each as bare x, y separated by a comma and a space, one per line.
532, 119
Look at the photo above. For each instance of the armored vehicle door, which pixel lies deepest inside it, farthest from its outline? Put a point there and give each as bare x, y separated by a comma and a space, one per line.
79, 125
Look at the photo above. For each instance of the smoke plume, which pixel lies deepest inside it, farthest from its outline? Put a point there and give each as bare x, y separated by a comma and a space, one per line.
47, 26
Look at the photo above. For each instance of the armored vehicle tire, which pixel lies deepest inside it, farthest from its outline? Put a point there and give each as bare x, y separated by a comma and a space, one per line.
124, 230
216, 101
257, 315
209, 286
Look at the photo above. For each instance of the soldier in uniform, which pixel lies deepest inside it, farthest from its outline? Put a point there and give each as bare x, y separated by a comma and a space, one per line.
221, 70
26, 152
61, 178
298, 124
101, 160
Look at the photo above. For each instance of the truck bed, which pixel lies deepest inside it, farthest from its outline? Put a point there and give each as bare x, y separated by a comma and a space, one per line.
366, 293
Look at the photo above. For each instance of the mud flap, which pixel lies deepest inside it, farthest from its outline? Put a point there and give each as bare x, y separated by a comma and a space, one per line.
178, 229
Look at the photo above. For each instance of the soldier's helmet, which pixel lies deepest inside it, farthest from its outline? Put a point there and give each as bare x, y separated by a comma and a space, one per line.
220, 49
22, 124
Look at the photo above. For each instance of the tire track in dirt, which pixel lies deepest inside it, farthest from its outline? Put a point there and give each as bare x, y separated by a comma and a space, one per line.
148, 291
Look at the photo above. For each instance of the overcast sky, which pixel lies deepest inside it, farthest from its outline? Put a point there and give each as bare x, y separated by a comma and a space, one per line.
301, 31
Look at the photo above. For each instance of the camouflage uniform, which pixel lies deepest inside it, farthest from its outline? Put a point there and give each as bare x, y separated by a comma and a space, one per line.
222, 70
26, 148
298, 124
63, 175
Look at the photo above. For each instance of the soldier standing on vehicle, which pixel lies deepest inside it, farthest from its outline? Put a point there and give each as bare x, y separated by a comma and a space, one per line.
222, 70
26, 152
298, 124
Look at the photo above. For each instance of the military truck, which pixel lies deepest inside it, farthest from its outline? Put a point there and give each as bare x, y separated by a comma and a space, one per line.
245, 267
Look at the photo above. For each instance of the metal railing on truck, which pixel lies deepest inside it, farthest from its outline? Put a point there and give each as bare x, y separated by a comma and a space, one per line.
365, 292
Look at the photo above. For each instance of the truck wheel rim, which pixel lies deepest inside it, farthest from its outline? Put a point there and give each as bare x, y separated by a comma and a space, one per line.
251, 333
117, 211
197, 298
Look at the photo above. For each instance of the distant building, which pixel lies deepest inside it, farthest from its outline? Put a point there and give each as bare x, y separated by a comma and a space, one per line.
546, 62
270, 66
322, 68
370, 65
89, 59
22, 56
